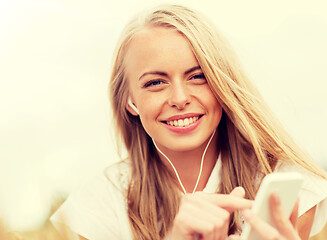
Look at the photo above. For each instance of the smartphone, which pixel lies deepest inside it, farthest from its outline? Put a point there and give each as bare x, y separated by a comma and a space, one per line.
287, 185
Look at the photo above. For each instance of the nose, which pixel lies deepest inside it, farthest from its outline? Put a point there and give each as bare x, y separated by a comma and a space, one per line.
179, 95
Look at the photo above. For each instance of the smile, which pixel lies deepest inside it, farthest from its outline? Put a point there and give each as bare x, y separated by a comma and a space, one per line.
183, 122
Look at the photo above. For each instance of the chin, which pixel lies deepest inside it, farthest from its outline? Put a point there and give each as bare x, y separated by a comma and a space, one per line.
182, 147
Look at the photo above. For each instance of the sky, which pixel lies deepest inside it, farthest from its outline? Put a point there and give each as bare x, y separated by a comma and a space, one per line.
55, 57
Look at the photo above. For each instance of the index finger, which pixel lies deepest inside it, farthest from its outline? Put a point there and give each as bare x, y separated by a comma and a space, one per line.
228, 202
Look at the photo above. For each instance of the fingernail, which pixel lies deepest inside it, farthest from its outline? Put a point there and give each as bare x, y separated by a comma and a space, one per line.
247, 214
233, 238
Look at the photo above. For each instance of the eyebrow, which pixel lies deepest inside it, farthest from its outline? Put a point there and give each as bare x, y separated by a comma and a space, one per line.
165, 74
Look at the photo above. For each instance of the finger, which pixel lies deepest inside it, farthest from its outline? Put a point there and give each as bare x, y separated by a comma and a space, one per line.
192, 226
227, 201
238, 192
234, 237
261, 227
209, 212
294, 214
202, 208
283, 224
232, 203
195, 223
198, 216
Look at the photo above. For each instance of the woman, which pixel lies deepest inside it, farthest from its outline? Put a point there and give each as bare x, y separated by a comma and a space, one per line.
199, 139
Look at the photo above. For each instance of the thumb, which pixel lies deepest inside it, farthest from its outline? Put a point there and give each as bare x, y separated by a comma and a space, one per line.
294, 214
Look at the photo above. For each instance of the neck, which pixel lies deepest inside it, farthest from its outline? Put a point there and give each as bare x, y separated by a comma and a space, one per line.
188, 164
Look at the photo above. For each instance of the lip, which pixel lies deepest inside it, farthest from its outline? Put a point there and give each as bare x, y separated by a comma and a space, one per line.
186, 129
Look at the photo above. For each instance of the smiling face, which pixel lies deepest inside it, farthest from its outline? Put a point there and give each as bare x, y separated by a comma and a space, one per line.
176, 105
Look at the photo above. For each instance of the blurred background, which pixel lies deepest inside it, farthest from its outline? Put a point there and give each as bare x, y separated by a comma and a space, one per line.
55, 56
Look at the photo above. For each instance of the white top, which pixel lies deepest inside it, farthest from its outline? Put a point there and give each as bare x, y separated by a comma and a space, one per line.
98, 211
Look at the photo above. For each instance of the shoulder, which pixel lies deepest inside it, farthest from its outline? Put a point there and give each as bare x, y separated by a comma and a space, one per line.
111, 183
313, 185
314, 188
118, 174
312, 194
98, 208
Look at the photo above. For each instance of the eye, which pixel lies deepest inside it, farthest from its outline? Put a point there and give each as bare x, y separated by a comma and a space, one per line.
153, 83
198, 78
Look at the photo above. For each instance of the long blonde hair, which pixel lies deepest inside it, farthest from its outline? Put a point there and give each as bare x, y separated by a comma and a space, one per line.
250, 139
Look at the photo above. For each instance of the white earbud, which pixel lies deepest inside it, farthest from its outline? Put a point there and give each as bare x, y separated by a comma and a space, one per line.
129, 101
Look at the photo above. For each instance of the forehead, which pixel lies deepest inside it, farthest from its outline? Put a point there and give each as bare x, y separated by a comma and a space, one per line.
152, 36
158, 48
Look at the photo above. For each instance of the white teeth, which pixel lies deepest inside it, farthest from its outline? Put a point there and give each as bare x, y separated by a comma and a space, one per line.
183, 122
186, 122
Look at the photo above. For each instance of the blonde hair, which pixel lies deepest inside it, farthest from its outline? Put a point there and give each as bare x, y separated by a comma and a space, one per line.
251, 141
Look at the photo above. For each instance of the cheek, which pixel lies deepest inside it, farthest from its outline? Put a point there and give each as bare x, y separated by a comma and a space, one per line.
149, 111
209, 99
217, 112
149, 105
214, 106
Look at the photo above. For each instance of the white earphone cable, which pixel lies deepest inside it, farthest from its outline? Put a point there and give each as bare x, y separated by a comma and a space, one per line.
201, 167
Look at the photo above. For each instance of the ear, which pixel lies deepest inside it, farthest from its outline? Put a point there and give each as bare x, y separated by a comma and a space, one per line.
131, 108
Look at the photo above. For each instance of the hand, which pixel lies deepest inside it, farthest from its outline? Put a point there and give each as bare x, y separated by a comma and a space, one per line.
206, 216
285, 227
